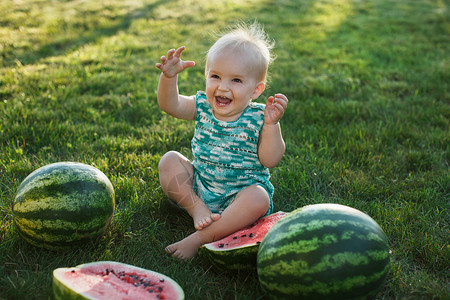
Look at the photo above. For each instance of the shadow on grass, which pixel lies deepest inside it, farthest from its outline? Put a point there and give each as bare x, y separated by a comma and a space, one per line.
63, 45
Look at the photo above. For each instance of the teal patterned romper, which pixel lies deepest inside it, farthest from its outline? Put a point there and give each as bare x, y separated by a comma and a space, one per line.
225, 155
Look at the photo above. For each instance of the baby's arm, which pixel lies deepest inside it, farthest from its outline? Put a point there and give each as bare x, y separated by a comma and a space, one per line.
271, 145
169, 100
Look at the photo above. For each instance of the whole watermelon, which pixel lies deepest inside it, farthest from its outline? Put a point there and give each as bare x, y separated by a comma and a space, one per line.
323, 251
63, 204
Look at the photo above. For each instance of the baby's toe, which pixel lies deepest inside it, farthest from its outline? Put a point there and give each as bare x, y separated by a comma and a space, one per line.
168, 250
215, 217
202, 224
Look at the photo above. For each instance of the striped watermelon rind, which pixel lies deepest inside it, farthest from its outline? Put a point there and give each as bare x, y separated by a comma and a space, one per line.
324, 251
238, 259
238, 251
63, 204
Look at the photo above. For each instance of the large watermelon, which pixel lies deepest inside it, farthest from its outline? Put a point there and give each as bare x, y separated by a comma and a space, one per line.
238, 250
323, 251
113, 281
63, 204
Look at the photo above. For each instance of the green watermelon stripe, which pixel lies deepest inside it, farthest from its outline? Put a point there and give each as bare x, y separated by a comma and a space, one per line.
228, 259
62, 171
49, 243
82, 215
315, 220
357, 284
60, 238
57, 226
40, 180
54, 190
315, 250
51, 235
292, 229
337, 249
329, 265
311, 241
308, 243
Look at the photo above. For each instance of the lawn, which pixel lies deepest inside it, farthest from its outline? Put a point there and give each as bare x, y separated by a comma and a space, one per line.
367, 125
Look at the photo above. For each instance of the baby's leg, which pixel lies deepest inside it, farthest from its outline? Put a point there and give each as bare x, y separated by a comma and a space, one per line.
249, 205
176, 175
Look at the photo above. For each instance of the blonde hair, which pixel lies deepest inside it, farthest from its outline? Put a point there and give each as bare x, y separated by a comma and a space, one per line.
248, 39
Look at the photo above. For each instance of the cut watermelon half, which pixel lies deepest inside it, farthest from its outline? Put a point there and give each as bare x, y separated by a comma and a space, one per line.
113, 281
238, 250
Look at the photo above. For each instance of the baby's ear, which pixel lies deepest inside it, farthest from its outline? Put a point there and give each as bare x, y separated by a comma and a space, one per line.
258, 90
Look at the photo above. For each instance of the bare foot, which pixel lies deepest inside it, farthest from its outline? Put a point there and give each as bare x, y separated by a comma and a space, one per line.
202, 216
186, 248
206, 221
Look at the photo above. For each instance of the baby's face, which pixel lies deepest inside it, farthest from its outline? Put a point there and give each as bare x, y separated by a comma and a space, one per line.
231, 83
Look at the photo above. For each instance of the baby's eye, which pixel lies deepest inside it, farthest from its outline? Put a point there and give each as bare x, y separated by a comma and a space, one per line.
237, 80
215, 76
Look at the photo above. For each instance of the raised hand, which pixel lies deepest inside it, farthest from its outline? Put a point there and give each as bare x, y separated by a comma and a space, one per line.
275, 108
172, 64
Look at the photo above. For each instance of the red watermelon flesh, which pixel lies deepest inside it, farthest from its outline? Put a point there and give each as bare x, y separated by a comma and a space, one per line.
249, 235
238, 250
113, 281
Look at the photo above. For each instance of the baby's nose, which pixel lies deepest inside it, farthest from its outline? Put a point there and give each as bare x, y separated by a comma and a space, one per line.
223, 86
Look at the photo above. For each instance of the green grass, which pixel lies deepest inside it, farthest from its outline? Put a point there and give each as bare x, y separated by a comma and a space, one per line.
367, 125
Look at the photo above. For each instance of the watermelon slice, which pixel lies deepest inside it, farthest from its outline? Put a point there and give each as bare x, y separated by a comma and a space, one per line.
113, 281
238, 250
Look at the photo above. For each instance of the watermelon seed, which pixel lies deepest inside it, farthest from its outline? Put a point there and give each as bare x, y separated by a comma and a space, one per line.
150, 291
161, 280
235, 237
221, 245
73, 271
250, 235
258, 242
244, 235
136, 284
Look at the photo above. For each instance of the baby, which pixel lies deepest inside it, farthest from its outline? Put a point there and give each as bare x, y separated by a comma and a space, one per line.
226, 187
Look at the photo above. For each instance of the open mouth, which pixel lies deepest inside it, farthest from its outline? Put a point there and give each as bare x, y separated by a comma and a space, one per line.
222, 101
